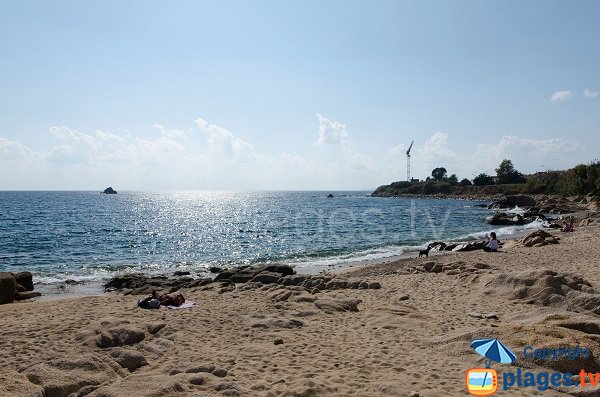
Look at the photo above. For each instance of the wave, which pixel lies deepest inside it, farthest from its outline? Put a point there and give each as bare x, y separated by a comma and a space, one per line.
396, 251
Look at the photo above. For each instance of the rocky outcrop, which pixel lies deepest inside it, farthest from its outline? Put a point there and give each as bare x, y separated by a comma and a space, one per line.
16, 287
226, 281
453, 268
520, 200
504, 219
109, 190
8, 288
139, 284
246, 273
559, 205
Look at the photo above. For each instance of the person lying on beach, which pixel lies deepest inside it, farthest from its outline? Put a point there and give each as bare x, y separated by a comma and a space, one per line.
169, 300
492, 245
155, 300
568, 227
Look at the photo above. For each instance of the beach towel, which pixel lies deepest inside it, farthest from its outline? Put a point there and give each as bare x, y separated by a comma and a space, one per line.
184, 305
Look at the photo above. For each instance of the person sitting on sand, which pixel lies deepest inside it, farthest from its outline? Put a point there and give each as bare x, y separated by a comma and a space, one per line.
568, 227
492, 245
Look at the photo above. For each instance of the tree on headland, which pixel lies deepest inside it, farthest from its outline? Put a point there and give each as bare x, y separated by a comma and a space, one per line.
464, 182
507, 173
439, 173
453, 180
483, 179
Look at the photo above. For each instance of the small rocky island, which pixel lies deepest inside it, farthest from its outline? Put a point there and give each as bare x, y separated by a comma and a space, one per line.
109, 190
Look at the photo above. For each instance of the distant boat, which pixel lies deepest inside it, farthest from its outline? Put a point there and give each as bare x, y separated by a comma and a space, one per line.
109, 190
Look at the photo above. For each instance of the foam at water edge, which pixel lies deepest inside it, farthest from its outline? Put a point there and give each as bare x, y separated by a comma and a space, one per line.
395, 251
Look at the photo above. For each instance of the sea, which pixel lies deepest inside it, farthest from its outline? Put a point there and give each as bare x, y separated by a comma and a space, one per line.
75, 241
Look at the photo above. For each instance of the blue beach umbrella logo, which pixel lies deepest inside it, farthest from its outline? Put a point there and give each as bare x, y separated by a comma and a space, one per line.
484, 381
493, 350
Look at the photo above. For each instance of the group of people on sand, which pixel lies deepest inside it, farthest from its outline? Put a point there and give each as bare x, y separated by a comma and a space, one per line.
493, 242
156, 300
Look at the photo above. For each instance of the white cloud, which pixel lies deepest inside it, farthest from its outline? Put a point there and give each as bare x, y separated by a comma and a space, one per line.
331, 132
13, 150
222, 142
399, 150
437, 148
589, 93
218, 159
169, 132
561, 95
528, 153
335, 133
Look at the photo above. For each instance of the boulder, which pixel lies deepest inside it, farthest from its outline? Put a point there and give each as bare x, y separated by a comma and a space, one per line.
21, 296
534, 241
284, 270
266, 277
296, 279
471, 246
8, 288
503, 219
331, 305
241, 277
451, 246
374, 285
438, 246
224, 275
111, 332
539, 238
120, 336
336, 284
129, 359
25, 279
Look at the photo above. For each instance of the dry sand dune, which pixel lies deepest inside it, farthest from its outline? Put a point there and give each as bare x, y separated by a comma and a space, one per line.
410, 336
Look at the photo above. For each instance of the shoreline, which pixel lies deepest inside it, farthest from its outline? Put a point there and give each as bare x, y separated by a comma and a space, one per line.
276, 340
96, 289
365, 257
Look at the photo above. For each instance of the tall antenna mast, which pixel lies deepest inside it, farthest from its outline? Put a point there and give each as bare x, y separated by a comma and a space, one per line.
408, 161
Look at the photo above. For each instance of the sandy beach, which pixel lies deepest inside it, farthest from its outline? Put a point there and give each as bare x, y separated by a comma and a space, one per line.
412, 336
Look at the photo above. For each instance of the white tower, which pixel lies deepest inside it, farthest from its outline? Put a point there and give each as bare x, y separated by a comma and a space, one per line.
408, 161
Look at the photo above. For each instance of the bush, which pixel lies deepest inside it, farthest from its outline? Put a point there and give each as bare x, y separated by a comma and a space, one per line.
483, 179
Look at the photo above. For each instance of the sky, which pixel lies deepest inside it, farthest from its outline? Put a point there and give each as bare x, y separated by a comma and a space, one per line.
291, 95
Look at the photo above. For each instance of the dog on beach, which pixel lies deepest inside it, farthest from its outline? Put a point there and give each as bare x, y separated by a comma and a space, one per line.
425, 252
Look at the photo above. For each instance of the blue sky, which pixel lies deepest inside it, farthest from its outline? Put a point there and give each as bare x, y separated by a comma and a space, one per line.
291, 95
